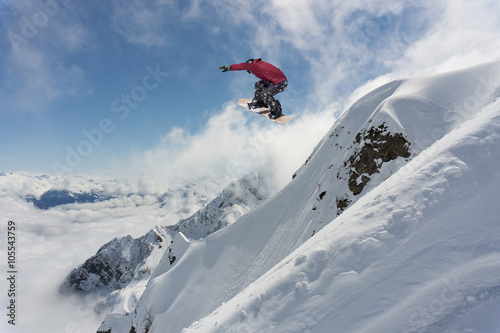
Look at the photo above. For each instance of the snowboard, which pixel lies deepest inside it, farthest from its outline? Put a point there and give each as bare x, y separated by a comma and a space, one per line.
243, 102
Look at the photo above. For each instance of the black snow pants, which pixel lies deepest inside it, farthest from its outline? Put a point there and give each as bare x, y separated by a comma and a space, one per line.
264, 93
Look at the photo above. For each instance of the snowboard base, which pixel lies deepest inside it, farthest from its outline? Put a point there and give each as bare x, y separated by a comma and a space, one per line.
243, 102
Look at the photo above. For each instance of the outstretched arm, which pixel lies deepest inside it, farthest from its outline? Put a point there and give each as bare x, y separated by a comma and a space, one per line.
242, 67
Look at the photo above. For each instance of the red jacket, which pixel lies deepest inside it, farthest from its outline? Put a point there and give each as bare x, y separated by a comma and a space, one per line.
263, 70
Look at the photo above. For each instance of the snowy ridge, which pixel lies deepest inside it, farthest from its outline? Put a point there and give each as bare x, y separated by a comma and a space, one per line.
392, 195
121, 269
421, 253
237, 199
123, 262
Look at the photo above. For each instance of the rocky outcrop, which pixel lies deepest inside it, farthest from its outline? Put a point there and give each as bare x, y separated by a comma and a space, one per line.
122, 267
117, 263
375, 147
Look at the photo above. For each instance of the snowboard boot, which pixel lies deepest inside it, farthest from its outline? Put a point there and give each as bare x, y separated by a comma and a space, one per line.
275, 110
256, 105
274, 115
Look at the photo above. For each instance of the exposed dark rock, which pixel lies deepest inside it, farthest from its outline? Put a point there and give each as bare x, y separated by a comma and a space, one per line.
115, 264
342, 204
378, 146
171, 257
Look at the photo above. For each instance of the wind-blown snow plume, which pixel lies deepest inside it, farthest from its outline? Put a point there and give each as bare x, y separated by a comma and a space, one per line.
231, 145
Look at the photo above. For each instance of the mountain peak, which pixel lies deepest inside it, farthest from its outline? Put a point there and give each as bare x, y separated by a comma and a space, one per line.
122, 267
387, 195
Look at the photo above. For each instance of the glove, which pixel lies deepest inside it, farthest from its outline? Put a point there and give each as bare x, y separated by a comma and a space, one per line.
224, 68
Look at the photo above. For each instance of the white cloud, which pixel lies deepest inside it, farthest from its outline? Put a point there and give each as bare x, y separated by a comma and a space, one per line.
38, 41
46, 251
232, 143
462, 33
342, 44
144, 22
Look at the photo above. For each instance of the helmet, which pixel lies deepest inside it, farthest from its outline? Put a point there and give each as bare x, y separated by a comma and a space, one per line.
249, 61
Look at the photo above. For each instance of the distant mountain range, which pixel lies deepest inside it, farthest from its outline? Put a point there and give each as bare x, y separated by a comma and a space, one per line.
54, 198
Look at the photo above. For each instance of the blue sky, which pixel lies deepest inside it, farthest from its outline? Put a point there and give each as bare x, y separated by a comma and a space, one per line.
105, 87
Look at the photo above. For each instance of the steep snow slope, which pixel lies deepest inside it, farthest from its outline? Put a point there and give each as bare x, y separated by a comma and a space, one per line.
377, 136
420, 253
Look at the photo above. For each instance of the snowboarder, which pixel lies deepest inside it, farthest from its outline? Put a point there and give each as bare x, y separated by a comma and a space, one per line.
272, 81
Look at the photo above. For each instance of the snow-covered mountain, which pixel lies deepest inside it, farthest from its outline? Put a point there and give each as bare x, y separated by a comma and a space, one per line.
24, 184
124, 265
401, 197
46, 191
237, 199
120, 269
